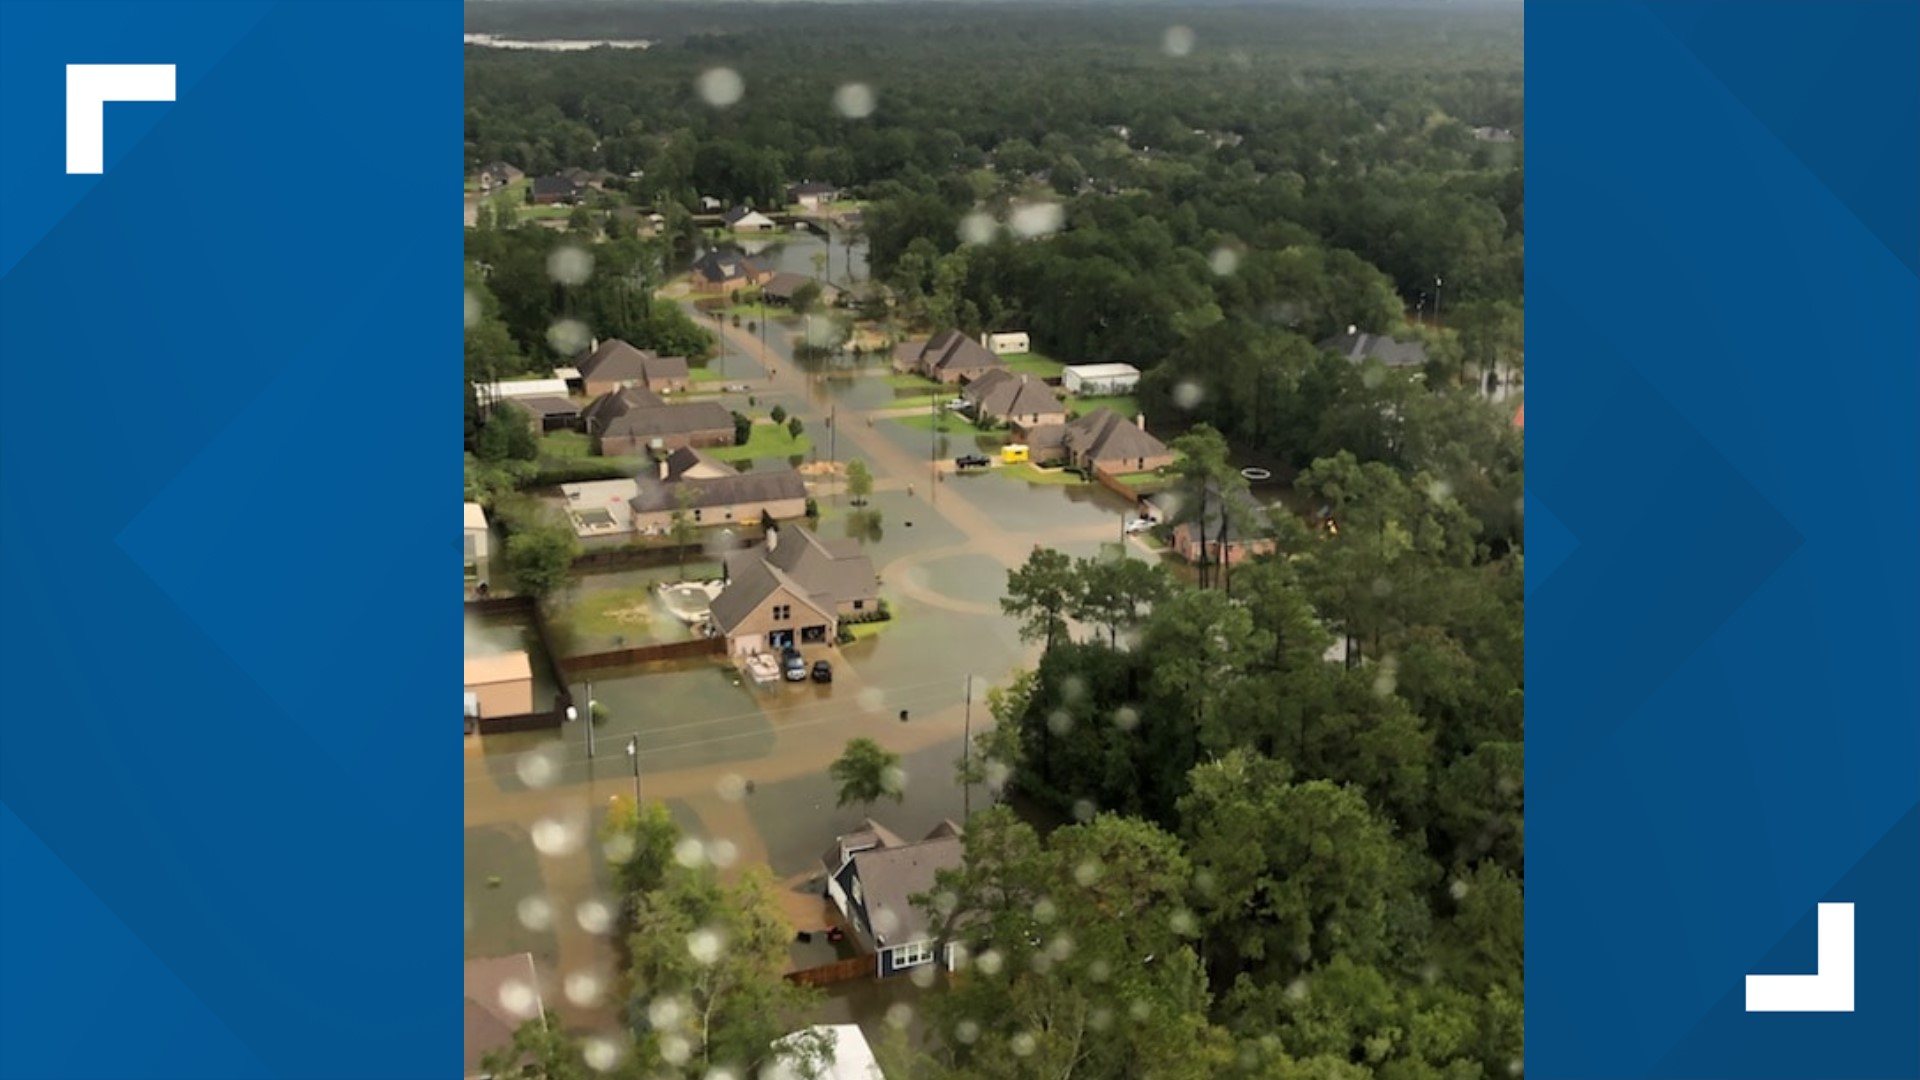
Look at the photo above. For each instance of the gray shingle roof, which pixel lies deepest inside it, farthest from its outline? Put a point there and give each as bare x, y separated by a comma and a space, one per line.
1001, 393
1104, 433
549, 406
751, 489
823, 573
949, 350
1357, 346
725, 266
891, 876
615, 360
749, 583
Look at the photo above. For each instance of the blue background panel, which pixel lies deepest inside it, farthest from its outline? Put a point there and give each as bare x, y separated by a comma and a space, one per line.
230, 809
1724, 616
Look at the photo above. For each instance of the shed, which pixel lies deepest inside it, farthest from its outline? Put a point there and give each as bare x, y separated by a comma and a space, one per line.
1002, 344
1100, 379
502, 683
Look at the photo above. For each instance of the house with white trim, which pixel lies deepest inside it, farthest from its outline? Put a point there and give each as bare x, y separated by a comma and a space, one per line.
872, 876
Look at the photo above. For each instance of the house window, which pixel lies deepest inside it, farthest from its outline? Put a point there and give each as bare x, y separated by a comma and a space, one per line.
782, 612
859, 604
857, 898
696, 514
913, 954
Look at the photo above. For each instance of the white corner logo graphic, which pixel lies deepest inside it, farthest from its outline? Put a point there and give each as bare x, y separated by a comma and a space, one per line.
89, 88
1829, 989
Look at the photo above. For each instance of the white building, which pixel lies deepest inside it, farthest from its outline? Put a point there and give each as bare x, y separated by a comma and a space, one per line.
1100, 379
479, 541
509, 389
1002, 344
846, 1055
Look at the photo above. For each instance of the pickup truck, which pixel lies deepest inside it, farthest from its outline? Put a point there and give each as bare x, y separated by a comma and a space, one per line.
972, 461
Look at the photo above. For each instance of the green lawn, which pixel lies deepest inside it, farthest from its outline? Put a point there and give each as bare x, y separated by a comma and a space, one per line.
1034, 474
865, 630
910, 381
1125, 405
1143, 481
1033, 364
561, 445
928, 401
705, 375
543, 213
769, 440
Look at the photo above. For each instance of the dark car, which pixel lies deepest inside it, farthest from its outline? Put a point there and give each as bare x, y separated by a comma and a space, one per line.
822, 671
795, 667
972, 461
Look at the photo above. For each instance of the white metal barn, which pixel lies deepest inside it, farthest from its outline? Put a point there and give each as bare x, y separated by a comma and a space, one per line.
1100, 379
1002, 344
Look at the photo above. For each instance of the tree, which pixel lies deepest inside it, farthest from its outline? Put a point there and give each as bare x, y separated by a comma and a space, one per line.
1041, 594
540, 557
807, 297
742, 429
866, 772
1115, 591
779, 414
794, 427
859, 481
638, 840
507, 435
682, 529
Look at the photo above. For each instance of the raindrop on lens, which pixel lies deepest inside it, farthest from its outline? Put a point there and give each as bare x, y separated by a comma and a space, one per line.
854, 101
535, 913
721, 87
1177, 41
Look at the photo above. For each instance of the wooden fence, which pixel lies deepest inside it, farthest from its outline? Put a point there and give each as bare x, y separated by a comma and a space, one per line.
837, 972
619, 658
633, 557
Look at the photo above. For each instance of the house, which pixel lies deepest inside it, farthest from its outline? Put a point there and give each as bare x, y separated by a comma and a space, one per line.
555, 190
1020, 401
479, 541
710, 205
871, 875
812, 195
551, 413
616, 365
1100, 379
1493, 135
1193, 544
725, 271
792, 591
503, 992
1003, 344
715, 493
780, 288
846, 1055
499, 174
589, 179
1359, 348
744, 219
634, 420
948, 357
501, 684
1104, 441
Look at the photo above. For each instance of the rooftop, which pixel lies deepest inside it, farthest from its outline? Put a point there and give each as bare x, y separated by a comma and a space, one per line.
498, 668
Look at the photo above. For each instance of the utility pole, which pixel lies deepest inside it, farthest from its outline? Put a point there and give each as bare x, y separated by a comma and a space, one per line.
589, 721
966, 759
633, 752
933, 451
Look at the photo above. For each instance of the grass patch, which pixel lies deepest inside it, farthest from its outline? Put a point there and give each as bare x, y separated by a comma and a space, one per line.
705, 375
544, 213
1125, 405
767, 441
632, 614
1033, 364
1144, 481
865, 630
910, 381
1034, 474
564, 445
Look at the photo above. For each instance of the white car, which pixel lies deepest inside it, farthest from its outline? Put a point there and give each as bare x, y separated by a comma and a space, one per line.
959, 404
1138, 525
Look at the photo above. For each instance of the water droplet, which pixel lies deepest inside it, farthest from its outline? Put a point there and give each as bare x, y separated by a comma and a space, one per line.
535, 913
1084, 810
899, 1014
1059, 721
619, 848
1177, 41
1045, 910
922, 976
1224, 261
966, 1032
990, 962
552, 837
1100, 970
602, 1054
978, 228
666, 1012
536, 768
675, 1049
570, 266
1037, 219
705, 947
472, 310
855, 101
519, 999
1187, 395
569, 337
1458, 889
690, 853
594, 916
1183, 922
720, 87
1087, 872
1139, 1010
894, 779
1297, 990
724, 853
1023, 1045
1100, 1019
1126, 718
583, 988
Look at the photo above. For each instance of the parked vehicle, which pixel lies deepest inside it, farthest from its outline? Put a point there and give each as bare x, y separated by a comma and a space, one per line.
795, 667
822, 671
1014, 453
1139, 525
972, 461
959, 404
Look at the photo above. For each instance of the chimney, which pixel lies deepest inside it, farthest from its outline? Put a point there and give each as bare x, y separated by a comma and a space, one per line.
663, 469
1140, 421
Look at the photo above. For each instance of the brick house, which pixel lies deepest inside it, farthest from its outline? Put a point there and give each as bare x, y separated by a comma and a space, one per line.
616, 365
629, 421
948, 357
793, 591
